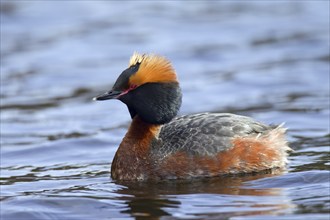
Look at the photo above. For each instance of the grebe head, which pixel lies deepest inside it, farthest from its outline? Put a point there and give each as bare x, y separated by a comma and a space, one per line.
149, 87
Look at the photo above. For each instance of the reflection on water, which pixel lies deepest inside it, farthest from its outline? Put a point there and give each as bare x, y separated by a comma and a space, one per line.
268, 60
215, 197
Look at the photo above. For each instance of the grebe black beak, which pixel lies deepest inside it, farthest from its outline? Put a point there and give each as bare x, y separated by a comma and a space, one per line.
108, 95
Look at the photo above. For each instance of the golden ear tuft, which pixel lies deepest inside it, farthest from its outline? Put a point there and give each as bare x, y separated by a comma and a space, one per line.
152, 69
136, 58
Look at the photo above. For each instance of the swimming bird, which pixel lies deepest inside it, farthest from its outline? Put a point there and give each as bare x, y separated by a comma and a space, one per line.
160, 146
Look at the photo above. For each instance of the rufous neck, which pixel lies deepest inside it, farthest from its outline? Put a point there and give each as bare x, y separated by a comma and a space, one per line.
140, 130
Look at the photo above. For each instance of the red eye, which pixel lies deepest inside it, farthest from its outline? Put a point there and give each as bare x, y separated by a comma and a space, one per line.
132, 87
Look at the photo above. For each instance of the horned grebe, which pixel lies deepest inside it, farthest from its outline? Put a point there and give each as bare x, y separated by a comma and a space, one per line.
160, 146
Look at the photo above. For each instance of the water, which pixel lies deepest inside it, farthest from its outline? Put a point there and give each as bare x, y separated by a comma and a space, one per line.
268, 60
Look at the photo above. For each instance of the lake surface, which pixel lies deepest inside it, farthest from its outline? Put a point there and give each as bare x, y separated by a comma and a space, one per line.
264, 59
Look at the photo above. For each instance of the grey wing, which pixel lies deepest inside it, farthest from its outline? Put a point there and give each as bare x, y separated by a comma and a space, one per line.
206, 133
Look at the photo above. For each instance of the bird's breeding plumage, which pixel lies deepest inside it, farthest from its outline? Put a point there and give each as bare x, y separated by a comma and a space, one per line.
152, 69
160, 146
